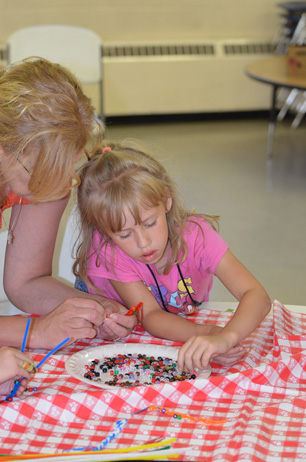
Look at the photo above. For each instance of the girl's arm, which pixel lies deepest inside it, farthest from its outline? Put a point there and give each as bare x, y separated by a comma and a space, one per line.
254, 305
254, 302
28, 279
155, 320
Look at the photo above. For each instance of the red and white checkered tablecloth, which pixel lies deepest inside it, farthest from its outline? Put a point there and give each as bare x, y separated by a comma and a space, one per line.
262, 399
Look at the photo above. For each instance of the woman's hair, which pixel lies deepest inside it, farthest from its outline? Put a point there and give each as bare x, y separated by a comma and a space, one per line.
124, 176
45, 120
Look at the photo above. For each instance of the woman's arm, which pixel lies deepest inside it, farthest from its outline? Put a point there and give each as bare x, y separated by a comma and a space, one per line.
77, 318
28, 279
80, 319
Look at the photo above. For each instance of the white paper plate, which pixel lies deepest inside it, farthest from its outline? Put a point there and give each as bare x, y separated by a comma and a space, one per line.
75, 365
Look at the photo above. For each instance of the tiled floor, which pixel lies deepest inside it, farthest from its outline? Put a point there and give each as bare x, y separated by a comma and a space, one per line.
221, 168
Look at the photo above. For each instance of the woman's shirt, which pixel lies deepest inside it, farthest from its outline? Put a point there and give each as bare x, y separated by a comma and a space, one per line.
198, 269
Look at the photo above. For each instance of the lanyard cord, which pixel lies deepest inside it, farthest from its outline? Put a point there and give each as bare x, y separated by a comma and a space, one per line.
195, 302
157, 285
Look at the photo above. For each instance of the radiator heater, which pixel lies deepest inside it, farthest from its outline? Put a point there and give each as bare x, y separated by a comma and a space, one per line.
173, 78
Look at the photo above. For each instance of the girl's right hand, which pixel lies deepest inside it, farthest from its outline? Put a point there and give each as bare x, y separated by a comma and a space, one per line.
116, 324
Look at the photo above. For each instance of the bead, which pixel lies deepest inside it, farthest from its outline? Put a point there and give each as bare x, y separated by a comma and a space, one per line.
134, 370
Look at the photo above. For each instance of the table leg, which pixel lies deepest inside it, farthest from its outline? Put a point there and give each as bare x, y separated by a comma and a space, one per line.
272, 123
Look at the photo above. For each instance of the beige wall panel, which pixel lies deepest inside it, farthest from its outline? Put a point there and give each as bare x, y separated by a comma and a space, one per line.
198, 85
154, 20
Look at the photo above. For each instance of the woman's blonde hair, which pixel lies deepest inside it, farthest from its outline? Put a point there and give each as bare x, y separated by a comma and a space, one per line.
125, 176
44, 114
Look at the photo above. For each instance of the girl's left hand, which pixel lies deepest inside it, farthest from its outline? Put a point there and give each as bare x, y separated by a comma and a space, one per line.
233, 356
198, 351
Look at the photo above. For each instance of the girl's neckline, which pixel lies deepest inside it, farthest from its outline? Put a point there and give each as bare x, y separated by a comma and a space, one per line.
160, 266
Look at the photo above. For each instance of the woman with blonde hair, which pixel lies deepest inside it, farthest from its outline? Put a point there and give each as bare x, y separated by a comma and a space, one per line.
46, 124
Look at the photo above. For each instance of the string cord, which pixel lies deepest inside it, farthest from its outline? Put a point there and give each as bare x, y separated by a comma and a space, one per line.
10, 234
195, 302
159, 291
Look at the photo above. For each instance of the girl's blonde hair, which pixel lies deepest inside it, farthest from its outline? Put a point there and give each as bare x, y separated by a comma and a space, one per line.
44, 114
125, 176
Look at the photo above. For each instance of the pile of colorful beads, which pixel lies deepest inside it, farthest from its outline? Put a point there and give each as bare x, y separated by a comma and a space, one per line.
133, 370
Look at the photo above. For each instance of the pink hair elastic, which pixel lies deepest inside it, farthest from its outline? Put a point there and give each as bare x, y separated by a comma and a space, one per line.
107, 148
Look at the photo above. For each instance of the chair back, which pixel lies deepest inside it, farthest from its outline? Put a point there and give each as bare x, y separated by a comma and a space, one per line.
77, 48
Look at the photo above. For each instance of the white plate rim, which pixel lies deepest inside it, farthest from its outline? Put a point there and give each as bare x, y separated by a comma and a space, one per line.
77, 361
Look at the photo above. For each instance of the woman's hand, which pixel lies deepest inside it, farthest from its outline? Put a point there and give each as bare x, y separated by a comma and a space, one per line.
13, 365
75, 318
79, 318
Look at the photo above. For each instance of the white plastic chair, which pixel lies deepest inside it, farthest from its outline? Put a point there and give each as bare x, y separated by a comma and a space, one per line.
77, 48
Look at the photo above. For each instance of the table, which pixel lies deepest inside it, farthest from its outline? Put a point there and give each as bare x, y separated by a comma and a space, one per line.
274, 71
262, 399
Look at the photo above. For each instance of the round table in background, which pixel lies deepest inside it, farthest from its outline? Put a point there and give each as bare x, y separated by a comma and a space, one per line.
274, 71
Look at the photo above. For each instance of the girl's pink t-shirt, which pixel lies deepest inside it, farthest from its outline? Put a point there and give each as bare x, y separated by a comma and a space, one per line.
198, 269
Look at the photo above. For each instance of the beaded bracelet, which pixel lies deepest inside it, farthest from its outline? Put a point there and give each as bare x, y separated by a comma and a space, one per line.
179, 415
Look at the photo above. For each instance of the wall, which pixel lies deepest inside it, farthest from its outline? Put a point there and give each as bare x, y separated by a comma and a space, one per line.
139, 20
134, 86
146, 20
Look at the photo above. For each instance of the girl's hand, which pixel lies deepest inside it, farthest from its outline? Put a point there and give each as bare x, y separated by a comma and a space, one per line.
116, 324
13, 365
233, 356
198, 351
7, 387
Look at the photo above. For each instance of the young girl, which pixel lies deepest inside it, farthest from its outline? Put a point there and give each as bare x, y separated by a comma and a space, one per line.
14, 365
140, 243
